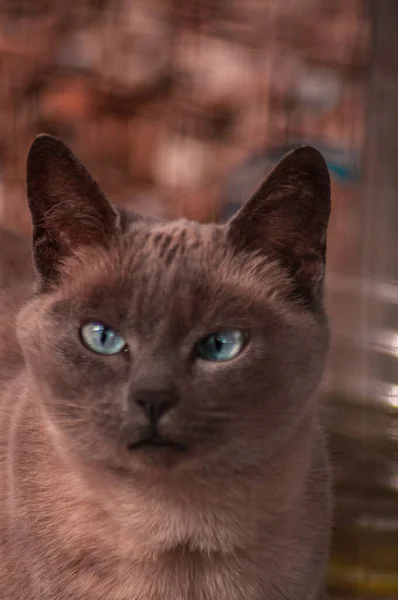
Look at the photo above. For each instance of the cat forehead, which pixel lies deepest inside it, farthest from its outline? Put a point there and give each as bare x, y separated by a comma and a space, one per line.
187, 252
174, 255
168, 242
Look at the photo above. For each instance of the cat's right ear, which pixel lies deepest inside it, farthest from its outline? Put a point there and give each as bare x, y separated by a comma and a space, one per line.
287, 218
68, 209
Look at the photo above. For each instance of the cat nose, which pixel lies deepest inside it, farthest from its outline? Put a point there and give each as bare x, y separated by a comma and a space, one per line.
155, 403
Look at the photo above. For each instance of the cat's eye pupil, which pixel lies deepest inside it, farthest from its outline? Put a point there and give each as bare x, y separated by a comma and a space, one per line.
221, 345
104, 335
218, 344
101, 339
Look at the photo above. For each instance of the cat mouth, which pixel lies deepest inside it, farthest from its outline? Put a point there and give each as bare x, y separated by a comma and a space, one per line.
157, 441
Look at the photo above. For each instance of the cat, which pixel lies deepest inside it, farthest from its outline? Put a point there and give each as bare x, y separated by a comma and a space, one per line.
160, 428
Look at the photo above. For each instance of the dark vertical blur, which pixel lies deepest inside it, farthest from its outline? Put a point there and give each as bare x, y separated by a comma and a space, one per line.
179, 108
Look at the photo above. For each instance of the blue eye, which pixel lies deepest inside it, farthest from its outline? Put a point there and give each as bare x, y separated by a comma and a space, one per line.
102, 339
221, 345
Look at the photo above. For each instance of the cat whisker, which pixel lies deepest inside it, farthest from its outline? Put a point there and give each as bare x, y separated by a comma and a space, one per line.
230, 417
68, 420
71, 405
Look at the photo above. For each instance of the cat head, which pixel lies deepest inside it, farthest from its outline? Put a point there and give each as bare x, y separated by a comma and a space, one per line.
169, 344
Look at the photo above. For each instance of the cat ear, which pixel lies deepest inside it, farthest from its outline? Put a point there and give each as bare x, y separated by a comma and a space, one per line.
68, 209
287, 219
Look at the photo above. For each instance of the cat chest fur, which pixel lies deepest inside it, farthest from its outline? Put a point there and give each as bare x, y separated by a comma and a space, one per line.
68, 560
166, 578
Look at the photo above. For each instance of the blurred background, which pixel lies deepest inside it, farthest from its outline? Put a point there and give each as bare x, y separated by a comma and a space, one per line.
179, 108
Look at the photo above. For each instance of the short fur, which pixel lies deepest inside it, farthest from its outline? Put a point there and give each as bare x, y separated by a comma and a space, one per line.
239, 508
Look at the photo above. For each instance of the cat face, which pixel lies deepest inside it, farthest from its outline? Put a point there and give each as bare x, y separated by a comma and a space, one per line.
173, 345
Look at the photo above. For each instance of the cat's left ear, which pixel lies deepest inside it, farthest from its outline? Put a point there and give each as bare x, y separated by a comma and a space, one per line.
68, 209
287, 218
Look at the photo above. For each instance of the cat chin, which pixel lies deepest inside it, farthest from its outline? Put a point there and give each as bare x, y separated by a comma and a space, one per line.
158, 458
121, 464
120, 460
170, 461
165, 465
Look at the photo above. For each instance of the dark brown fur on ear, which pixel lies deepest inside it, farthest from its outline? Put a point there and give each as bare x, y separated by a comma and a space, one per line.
68, 208
287, 219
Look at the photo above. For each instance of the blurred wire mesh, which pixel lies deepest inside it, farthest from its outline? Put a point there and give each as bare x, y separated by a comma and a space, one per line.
162, 99
179, 108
